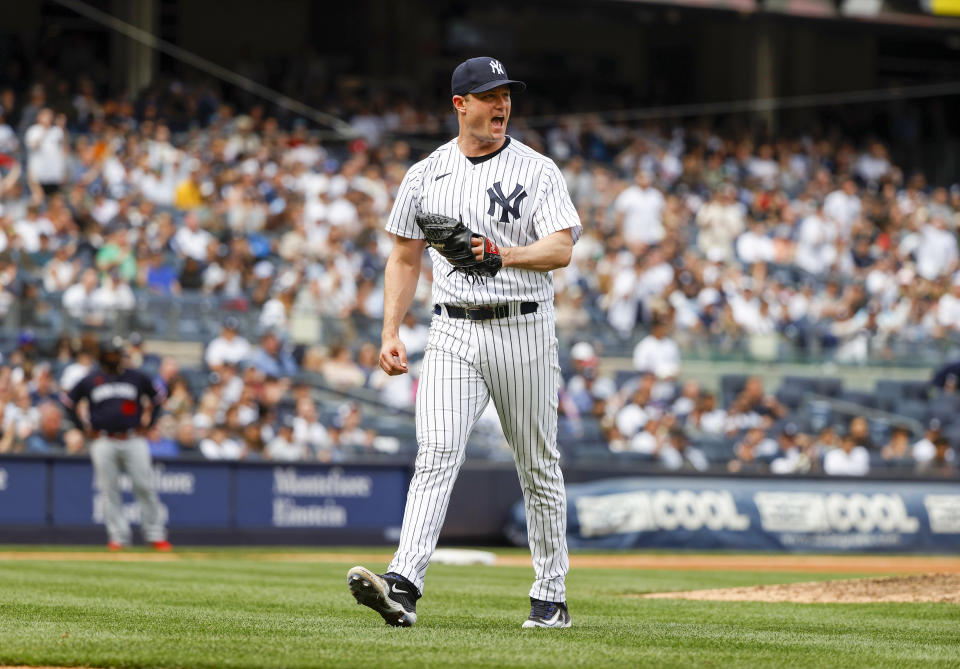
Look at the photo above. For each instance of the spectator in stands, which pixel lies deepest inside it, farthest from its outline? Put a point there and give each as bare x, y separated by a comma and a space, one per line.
271, 357
340, 371
720, 221
161, 438
849, 459
158, 275
191, 241
220, 445
46, 143
638, 211
859, 429
309, 433
843, 205
42, 386
790, 458
638, 410
186, 437
943, 462
20, 420
677, 453
587, 388
80, 300
925, 449
284, 446
746, 459
81, 366
48, 435
753, 399
252, 443
707, 417
896, 452
657, 353
61, 271
349, 434
230, 347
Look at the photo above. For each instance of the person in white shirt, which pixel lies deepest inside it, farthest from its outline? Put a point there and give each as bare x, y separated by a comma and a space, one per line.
677, 453
30, 228
78, 299
191, 240
229, 347
47, 150
220, 446
948, 307
755, 245
788, 460
657, 353
284, 447
816, 251
639, 210
937, 249
843, 205
308, 431
873, 164
925, 449
114, 295
719, 222
847, 460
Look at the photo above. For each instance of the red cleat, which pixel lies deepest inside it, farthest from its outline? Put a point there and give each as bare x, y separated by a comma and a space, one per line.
164, 545
114, 546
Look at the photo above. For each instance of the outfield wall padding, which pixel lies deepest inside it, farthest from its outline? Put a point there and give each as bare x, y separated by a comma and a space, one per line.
610, 505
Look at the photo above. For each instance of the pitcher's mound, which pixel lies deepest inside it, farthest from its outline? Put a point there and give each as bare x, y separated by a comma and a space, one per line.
918, 588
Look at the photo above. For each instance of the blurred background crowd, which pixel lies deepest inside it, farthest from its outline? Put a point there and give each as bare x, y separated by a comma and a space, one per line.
177, 215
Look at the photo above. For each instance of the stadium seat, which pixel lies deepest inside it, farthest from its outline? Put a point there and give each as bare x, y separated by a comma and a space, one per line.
946, 408
730, 386
860, 397
913, 408
791, 395
829, 386
916, 389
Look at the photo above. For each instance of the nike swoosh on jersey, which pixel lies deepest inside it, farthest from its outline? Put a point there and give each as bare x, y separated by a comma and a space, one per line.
442, 175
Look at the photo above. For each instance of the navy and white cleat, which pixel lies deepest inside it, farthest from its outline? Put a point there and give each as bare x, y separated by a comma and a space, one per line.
390, 595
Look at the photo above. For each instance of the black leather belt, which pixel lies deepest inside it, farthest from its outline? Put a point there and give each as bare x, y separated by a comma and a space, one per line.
485, 313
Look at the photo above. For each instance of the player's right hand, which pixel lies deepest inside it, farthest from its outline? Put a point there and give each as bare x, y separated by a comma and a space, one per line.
393, 356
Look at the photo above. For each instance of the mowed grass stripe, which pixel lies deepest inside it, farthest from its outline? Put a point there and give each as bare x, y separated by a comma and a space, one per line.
242, 613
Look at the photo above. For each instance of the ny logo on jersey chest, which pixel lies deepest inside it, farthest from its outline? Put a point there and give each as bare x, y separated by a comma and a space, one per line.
506, 208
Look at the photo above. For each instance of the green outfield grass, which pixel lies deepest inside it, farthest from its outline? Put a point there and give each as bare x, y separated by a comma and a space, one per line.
228, 610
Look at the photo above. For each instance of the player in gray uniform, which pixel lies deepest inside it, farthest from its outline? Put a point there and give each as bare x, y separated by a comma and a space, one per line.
117, 420
489, 340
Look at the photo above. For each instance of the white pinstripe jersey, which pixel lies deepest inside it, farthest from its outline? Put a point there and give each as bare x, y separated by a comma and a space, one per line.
514, 196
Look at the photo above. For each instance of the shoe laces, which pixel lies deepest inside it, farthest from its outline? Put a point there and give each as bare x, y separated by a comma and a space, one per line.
541, 609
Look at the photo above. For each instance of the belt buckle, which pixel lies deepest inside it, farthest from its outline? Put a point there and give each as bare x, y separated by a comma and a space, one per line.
474, 313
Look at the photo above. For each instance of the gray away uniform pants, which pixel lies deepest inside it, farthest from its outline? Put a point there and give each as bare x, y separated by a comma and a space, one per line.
110, 458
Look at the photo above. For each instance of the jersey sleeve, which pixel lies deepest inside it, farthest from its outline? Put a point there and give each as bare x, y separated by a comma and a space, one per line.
401, 221
71, 399
555, 210
155, 392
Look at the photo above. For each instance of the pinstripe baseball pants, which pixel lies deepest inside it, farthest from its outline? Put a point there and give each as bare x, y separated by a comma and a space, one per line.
512, 361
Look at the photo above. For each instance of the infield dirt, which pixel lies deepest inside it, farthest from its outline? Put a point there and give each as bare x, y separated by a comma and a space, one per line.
942, 588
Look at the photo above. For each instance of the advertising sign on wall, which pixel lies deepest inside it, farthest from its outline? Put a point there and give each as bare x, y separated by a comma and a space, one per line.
760, 514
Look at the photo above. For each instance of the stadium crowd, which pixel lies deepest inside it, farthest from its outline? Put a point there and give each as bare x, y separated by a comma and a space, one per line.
705, 239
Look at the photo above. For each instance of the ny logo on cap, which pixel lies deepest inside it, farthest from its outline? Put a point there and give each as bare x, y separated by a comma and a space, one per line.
497, 68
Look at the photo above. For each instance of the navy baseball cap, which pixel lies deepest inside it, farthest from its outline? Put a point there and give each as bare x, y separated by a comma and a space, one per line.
481, 74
